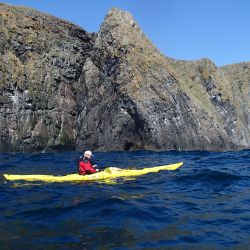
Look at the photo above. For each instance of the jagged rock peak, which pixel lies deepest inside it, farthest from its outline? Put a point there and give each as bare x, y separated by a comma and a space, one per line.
120, 29
119, 21
116, 16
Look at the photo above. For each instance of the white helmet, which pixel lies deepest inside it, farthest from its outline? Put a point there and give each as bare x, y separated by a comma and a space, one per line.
88, 154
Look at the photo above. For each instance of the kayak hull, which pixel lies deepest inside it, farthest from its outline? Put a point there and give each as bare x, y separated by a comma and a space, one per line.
108, 173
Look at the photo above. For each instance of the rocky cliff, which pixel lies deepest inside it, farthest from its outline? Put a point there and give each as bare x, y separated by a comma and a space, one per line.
62, 87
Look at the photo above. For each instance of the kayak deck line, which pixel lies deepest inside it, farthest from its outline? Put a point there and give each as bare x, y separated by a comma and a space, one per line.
108, 173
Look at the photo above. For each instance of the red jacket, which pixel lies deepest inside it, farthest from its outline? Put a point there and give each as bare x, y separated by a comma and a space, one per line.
85, 167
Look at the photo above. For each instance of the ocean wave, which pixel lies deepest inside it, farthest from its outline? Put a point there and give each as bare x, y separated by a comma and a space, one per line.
211, 176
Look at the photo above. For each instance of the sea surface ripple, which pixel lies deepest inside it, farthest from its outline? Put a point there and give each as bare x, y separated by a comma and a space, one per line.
203, 205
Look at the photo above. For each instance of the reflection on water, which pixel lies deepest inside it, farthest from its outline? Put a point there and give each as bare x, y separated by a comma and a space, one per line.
203, 205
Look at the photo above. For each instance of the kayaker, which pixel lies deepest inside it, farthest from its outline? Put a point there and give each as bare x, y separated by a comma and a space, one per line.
85, 165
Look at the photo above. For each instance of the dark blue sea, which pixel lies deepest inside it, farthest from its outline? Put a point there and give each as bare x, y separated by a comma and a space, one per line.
203, 205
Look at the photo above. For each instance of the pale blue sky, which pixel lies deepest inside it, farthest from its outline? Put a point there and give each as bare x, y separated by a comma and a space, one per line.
182, 29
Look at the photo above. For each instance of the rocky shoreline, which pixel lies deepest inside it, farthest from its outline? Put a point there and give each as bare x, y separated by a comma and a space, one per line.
64, 88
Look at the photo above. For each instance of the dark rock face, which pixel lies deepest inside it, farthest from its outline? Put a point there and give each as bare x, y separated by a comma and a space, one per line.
41, 63
62, 87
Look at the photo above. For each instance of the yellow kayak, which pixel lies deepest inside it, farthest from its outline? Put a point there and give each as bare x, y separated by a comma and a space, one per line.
108, 173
